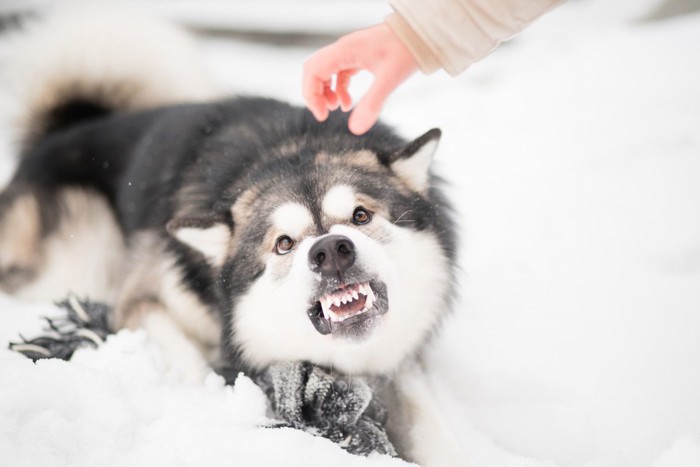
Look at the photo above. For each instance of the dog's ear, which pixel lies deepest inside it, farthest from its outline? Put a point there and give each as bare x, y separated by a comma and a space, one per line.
206, 234
412, 163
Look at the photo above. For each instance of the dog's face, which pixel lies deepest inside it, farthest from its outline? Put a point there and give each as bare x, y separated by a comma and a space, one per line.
334, 261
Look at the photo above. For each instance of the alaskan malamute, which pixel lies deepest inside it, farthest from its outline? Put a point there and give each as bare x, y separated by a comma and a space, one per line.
237, 232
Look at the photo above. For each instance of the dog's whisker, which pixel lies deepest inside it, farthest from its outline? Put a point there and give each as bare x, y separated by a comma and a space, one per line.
399, 218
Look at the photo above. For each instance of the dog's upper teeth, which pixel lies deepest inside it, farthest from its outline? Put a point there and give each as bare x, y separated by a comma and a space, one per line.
370, 298
355, 295
325, 307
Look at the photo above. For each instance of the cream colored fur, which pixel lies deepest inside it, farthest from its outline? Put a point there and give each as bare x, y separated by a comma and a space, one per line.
125, 59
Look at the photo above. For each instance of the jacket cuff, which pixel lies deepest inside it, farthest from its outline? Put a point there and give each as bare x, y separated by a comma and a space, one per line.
426, 60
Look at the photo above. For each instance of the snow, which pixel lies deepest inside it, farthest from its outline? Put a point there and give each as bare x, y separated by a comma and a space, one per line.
573, 154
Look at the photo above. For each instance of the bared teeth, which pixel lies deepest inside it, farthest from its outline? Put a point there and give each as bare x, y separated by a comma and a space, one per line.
344, 297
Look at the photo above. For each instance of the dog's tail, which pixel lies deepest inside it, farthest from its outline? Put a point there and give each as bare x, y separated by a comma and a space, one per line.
84, 61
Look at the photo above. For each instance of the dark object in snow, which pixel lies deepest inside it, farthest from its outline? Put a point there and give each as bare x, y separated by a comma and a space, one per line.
303, 396
85, 324
333, 406
672, 9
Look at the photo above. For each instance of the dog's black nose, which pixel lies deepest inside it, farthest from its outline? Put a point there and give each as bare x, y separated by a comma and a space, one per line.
332, 255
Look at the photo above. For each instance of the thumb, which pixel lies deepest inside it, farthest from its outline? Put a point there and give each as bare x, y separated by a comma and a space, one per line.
367, 109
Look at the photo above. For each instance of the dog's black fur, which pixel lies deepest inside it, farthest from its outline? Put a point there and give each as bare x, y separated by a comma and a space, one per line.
141, 161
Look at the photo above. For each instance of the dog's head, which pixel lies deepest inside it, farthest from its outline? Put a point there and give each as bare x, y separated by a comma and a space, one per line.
341, 259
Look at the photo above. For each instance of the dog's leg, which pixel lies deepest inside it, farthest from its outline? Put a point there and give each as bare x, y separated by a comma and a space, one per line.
58, 240
20, 237
179, 351
153, 298
427, 440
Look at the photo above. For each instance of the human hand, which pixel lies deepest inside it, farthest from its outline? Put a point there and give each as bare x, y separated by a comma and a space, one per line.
375, 49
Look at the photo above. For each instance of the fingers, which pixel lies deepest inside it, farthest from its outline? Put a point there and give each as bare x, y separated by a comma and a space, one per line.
338, 95
375, 49
322, 97
315, 96
316, 89
342, 83
331, 97
337, 62
319, 93
319, 71
315, 92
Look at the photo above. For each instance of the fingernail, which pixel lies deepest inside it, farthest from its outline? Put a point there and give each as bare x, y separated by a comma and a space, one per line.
357, 129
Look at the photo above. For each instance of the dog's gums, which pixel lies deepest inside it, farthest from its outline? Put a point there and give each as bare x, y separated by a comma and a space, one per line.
347, 302
351, 311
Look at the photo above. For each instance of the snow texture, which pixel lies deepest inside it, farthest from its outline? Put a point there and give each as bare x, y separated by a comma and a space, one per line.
574, 157
304, 396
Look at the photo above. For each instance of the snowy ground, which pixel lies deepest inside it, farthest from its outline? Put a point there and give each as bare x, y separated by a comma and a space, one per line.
574, 154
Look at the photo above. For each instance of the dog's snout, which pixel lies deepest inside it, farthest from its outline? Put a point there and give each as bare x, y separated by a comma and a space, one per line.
332, 255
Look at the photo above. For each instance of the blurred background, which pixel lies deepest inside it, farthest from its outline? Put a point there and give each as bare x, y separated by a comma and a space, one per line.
572, 156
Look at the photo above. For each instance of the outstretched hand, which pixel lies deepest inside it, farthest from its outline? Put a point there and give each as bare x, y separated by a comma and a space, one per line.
327, 74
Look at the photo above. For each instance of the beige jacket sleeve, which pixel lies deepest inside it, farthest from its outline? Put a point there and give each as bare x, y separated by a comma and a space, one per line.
453, 34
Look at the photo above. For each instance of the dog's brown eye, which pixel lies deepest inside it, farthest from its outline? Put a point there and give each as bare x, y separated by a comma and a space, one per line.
284, 245
361, 216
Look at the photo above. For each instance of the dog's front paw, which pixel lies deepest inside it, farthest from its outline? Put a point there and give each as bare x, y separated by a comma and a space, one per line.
85, 323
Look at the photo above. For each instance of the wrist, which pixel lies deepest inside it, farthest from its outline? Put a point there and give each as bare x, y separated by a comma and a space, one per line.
422, 56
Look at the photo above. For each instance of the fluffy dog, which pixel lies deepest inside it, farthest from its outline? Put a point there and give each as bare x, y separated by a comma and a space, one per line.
240, 233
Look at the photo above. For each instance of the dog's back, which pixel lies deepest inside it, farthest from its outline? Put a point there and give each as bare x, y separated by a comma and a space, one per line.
66, 75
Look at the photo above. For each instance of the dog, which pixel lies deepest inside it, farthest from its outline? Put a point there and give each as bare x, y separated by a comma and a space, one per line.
238, 232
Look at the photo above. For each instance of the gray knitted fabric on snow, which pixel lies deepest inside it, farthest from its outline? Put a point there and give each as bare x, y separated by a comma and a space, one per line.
336, 407
304, 396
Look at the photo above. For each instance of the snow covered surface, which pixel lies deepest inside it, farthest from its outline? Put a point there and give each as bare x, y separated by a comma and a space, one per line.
574, 158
